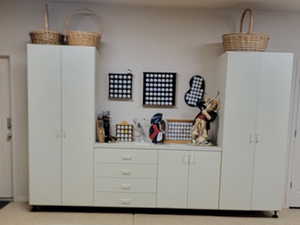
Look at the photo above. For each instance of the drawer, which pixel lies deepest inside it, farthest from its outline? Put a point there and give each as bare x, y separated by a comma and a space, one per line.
125, 185
126, 156
125, 170
125, 199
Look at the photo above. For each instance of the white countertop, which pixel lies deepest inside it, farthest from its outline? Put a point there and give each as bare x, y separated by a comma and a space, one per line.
147, 146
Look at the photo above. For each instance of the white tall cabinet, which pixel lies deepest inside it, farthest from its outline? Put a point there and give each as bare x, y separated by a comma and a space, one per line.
255, 91
61, 114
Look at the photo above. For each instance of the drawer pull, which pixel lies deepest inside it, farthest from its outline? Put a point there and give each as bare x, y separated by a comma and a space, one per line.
125, 172
125, 201
126, 157
125, 186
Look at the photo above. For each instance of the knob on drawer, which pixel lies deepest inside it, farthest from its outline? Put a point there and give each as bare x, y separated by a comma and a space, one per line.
125, 186
127, 157
125, 172
125, 201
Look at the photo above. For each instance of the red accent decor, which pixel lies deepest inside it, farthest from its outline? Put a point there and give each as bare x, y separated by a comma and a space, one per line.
155, 132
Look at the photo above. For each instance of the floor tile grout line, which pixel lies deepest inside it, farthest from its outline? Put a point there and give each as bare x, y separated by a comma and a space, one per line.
133, 219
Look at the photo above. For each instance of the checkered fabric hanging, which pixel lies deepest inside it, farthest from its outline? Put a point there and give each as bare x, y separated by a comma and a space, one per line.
179, 130
159, 89
194, 96
120, 86
124, 132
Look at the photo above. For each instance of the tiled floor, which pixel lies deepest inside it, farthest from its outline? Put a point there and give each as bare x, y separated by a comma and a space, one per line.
19, 214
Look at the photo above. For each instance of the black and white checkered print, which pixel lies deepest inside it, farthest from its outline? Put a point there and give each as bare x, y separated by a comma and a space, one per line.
196, 92
179, 131
120, 86
159, 89
124, 133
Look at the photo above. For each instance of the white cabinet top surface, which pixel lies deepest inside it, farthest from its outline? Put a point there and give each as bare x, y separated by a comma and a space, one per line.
257, 53
58, 46
150, 146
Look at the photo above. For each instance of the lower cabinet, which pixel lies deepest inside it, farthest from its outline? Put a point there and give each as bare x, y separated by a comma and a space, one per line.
121, 199
157, 178
128, 185
172, 179
188, 179
125, 178
204, 180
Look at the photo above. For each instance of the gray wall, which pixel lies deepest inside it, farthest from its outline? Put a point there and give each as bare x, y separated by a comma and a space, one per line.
151, 39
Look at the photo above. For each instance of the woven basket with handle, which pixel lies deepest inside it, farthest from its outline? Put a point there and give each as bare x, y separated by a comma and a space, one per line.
46, 36
82, 38
249, 41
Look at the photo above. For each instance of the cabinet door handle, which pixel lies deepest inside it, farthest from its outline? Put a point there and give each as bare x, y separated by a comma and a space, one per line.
125, 186
125, 172
251, 139
58, 134
192, 159
9, 136
126, 157
257, 138
9, 123
186, 159
125, 201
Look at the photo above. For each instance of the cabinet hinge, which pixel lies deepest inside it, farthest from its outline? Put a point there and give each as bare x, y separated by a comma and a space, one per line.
291, 185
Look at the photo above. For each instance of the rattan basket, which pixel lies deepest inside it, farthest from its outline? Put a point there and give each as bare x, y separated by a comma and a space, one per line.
74, 37
249, 41
46, 36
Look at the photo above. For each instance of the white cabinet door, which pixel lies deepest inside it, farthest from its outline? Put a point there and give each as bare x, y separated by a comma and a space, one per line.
44, 121
238, 127
294, 195
78, 85
5, 131
172, 179
204, 177
273, 104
